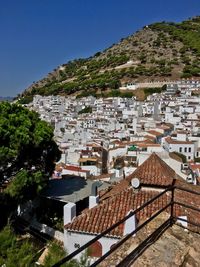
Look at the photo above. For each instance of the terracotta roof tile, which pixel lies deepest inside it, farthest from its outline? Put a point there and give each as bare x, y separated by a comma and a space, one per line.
154, 171
169, 140
74, 168
150, 137
164, 127
156, 133
101, 217
121, 199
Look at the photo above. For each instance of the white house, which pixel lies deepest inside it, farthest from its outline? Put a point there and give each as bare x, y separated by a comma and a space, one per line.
129, 86
81, 229
186, 148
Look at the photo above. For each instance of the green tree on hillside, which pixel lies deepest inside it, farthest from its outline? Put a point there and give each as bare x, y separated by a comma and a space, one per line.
27, 152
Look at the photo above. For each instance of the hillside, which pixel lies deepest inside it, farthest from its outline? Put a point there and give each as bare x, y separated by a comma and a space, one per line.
159, 51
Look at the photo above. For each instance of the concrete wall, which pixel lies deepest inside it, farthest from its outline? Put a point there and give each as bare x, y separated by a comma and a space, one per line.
146, 85
151, 149
43, 228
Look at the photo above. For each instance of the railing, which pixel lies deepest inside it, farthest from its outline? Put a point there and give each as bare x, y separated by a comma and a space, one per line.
129, 259
190, 207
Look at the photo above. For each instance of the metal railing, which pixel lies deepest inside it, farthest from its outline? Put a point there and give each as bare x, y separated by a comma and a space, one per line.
151, 238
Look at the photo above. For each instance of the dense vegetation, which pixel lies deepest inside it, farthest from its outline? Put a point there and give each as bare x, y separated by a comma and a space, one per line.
150, 91
27, 155
111, 93
56, 253
16, 250
159, 51
188, 34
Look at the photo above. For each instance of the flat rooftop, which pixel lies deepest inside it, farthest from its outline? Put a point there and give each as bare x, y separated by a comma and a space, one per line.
70, 189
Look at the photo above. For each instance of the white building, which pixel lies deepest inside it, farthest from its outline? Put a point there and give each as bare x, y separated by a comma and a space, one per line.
186, 148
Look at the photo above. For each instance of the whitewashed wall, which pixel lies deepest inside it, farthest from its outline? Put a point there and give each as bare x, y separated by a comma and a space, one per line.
72, 240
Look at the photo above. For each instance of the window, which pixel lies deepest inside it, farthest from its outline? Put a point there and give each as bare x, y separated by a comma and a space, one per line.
189, 149
180, 149
189, 157
185, 149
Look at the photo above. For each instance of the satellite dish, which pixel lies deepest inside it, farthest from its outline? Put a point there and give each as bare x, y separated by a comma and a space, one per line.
135, 182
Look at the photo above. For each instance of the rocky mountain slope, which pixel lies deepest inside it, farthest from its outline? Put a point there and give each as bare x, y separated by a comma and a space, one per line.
159, 51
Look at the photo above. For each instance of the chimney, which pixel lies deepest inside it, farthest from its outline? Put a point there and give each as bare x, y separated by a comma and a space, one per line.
93, 201
94, 198
130, 224
69, 212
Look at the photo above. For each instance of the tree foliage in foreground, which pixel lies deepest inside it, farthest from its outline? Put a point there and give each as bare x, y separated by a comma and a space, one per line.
27, 151
15, 251
56, 253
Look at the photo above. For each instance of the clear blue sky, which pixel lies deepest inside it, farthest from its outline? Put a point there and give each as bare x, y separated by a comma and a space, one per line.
38, 35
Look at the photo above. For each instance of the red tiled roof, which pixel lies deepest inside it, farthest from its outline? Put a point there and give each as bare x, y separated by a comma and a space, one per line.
60, 166
146, 141
112, 210
101, 217
164, 127
93, 145
74, 168
150, 137
182, 132
169, 140
156, 133
121, 199
154, 171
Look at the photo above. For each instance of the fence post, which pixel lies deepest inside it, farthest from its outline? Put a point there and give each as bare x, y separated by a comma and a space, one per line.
172, 201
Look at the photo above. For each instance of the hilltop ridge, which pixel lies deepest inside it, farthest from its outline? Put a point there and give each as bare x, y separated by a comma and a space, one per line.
160, 51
